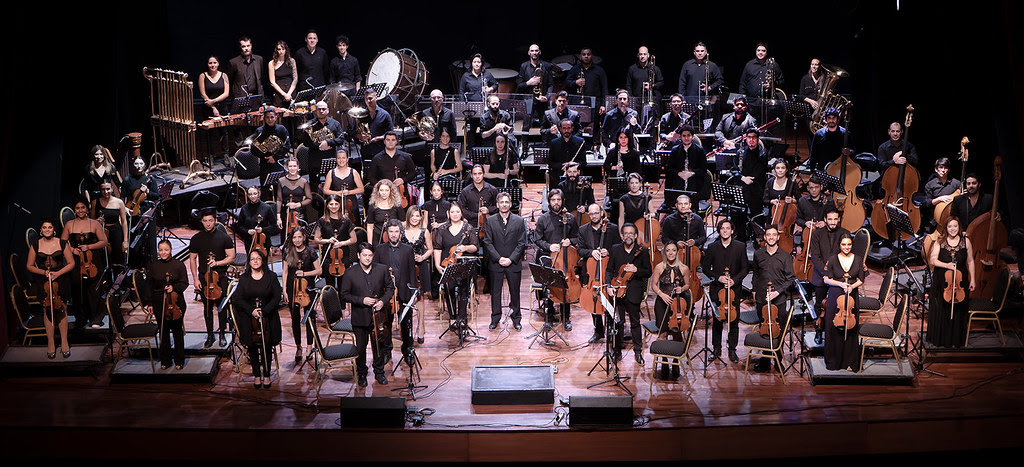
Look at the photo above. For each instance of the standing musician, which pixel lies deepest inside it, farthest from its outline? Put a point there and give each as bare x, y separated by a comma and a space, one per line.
255, 306
952, 251
590, 247
330, 136
211, 249
632, 257
827, 143
751, 160
550, 127
369, 288
255, 217
246, 71
824, 245
637, 204
479, 192
457, 234
138, 181
734, 124
397, 256
672, 279
811, 83
391, 163
535, 78
167, 275
896, 150
299, 262
588, 79
110, 210
696, 72
575, 196
972, 203
504, 246
100, 169
86, 235
940, 188
623, 157
811, 208
772, 265
311, 62
687, 164
551, 234
379, 124
619, 119
334, 232
417, 233
270, 143
444, 118
638, 77
671, 122
726, 252
435, 209
294, 194
563, 150
282, 73
384, 206
476, 82
844, 272
345, 182
754, 80
444, 159
502, 164
344, 69
51, 262
684, 228
494, 122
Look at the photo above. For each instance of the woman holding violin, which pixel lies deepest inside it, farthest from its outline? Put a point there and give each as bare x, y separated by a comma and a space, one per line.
49, 258
344, 181
417, 235
672, 277
294, 194
451, 241
844, 274
333, 233
110, 210
254, 304
952, 284
385, 205
300, 269
255, 219
502, 164
87, 239
168, 280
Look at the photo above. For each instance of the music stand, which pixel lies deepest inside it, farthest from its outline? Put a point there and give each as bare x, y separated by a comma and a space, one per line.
326, 165
612, 330
547, 277
730, 198
541, 154
480, 155
830, 182
411, 360
240, 105
165, 195
615, 187
453, 276
310, 94
450, 185
899, 222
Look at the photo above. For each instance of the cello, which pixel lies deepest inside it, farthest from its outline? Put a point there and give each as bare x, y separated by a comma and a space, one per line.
988, 236
942, 209
648, 231
849, 174
783, 217
565, 260
590, 298
691, 258
900, 182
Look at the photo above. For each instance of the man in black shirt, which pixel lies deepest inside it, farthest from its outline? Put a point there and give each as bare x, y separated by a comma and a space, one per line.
772, 266
588, 79
324, 137
270, 143
592, 248
754, 80
311, 62
535, 78
552, 233
811, 208
725, 253
444, 118
476, 194
939, 189
687, 165
638, 78
735, 124
972, 203
369, 288
398, 256
504, 246
696, 72
567, 148
245, 72
637, 260
391, 163
683, 227
827, 143
672, 121
345, 68
896, 150
574, 198
553, 117
379, 123
494, 121
211, 248
621, 118
752, 159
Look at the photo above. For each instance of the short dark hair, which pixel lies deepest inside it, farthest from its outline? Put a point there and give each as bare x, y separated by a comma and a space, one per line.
341, 38
503, 194
942, 162
630, 225
390, 133
562, 94
721, 223
686, 128
556, 191
393, 223
362, 246
244, 39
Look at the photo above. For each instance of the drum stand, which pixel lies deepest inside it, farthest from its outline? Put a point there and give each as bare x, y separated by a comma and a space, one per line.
548, 278
607, 361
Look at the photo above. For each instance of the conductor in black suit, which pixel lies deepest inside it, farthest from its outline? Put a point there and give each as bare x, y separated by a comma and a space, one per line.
368, 287
504, 245
564, 149
398, 256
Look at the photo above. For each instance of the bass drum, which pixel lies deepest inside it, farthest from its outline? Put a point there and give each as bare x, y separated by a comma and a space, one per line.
401, 73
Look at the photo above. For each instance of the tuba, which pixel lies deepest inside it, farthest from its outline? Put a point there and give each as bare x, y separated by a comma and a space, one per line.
826, 98
425, 125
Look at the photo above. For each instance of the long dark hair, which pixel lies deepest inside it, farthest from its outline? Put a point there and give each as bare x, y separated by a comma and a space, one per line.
265, 267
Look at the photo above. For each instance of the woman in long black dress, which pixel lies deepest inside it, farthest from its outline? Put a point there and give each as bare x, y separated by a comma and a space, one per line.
254, 305
947, 323
254, 217
87, 238
435, 210
456, 232
636, 204
777, 189
844, 271
300, 262
346, 182
283, 73
100, 170
384, 206
624, 159
110, 210
334, 232
294, 194
502, 163
49, 258
444, 159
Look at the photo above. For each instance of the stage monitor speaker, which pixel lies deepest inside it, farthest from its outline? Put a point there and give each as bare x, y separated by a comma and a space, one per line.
600, 410
373, 412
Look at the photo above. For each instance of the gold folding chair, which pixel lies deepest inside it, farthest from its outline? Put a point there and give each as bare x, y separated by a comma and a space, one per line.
330, 357
131, 335
765, 347
980, 309
884, 335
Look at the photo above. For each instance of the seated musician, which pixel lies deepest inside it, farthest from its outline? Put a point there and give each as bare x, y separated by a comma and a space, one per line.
811, 208
779, 188
556, 229
772, 265
458, 236
502, 164
939, 188
391, 164
683, 227
254, 217
824, 244
636, 205
477, 194
553, 118
575, 196
686, 167
270, 143
734, 125
672, 279
255, 307
494, 122
827, 143
593, 249
623, 158
563, 150
139, 182
671, 122
618, 119
725, 253
324, 136
369, 289
444, 118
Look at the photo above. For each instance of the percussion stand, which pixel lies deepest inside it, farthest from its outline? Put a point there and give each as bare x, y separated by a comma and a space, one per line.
547, 277
707, 311
810, 310
609, 362
305, 317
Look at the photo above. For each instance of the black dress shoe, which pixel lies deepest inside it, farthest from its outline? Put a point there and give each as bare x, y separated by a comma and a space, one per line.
223, 340
209, 342
639, 358
733, 357
381, 379
715, 354
819, 337
518, 326
419, 340
567, 325
362, 381
595, 338
492, 326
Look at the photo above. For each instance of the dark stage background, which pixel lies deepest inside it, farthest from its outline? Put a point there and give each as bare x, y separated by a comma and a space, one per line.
75, 79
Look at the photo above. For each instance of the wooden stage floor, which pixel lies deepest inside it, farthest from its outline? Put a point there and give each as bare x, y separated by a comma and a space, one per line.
979, 405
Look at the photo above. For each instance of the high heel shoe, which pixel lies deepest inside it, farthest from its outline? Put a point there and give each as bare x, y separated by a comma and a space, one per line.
51, 355
266, 384
66, 354
257, 382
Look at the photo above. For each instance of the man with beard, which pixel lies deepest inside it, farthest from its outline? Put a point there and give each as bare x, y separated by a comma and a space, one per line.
827, 143
311, 62
504, 246
633, 258
751, 161
567, 148
552, 233
592, 248
772, 266
683, 227
574, 198
696, 71
753, 80
811, 208
686, 165
398, 256
269, 136
379, 123
588, 79
245, 72
824, 244
972, 203
494, 121
369, 288
671, 122
535, 78
735, 124
725, 253
553, 117
476, 194
391, 163
621, 118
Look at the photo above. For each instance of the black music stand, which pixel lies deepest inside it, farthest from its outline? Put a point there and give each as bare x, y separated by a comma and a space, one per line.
165, 195
326, 165
246, 104
309, 94
411, 360
607, 361
451, 186
480, 155
899, 222
452, 277
615, 187
730, 198
830, 182
547, 277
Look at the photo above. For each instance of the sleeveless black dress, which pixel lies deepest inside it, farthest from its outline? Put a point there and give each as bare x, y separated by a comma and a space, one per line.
945, 330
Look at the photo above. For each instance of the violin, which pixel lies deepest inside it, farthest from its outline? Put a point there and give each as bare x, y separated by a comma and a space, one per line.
988, 236
87, 266
648, 231
212, 290
727, 310
622, 276
769, 317
293, 216
337, 266
134, 204
900, 182
453, 254
565, 260
259, 239
481, 220
845, 317
299, 294
678, 318
849, 174
171, 308
51, 297
400, 188
589, 298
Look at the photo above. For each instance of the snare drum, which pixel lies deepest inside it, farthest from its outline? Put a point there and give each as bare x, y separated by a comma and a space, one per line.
402, 74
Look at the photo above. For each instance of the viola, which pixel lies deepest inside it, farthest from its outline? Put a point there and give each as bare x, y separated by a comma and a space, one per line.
727, 309
849, 174
769, 317
988, 236
299, 294
845, 317
171, 308
900, 182
589, 298
565, 260
453, 254
259, 239
293, 216
622, 276
134, 204
212, 290
51, 295
400, 188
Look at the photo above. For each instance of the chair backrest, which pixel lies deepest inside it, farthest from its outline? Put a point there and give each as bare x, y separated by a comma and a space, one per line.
12, 262
862, 242
31, 235
330, 302
20, 302
114, 310
1002, 289
901, 312
66, 214
141, 286
883, 290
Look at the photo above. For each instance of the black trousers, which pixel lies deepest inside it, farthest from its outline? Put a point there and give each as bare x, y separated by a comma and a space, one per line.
297, 312
210, 305
718, 325
623, 308
177, 327
260, 358
514, 279
363, 336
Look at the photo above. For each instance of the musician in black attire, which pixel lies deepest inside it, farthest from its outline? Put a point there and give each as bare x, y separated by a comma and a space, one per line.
369, 288
896, 150
621, 118
672, 121
772, 265
138, 179
638, 77
588, 79
167, 274
683, 227
85, 234
344, 69
471, 197
637, 260
444, 118
378, 122
330, 143
811, 208
695, 73
494, 121
299, 261
972, 203
592, 248
734, 124
476, 82
827, 143
502, 163
575, 198
752, 159
245, 72
754, 79
567, 148
550, 126
940, 188
311, 62
554, 232
398, 256
267, 136
824, 245
726, 252
687, 165
258, 327
211, 248
436, 208
504, 246
255, 217
391, 163
334, 232
535, 78
459, 234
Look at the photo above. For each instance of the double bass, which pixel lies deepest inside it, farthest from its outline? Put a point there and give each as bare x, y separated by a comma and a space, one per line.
849, 174
900, 182
565, 260
590, 298
648, 231
988, 236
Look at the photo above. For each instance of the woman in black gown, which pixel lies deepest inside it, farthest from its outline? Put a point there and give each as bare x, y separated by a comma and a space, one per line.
110, 210
624, 159
444, 159
283, 73
344, 181
254, 305
49, 258
300, 261
502, 163
947, 323
384, 206
294, 194
844, 271
334, 232
636, 204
